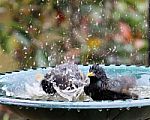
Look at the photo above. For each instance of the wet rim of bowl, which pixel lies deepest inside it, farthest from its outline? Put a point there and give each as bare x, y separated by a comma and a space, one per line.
38, 103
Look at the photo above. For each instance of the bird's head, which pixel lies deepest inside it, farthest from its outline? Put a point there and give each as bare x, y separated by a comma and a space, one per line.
97, 73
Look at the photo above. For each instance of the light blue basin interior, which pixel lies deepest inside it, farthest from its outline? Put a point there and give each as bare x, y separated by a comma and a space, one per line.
15, 81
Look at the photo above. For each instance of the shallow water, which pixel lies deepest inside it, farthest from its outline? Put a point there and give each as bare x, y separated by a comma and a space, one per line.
25, 85
143, 85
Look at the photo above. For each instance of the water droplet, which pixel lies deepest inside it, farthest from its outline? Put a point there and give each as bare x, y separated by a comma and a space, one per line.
39, 31
34, 63
51, 109
100, 110
96, 23
57, 2
68, 10
31, 26
24, 48
146, 25
78, 110
78, 10
26, 31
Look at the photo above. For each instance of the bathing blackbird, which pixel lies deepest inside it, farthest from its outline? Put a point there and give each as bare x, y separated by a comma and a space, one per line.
103, 88
65, 76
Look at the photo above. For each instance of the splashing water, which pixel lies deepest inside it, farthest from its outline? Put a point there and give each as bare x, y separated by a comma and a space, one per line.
70, 88
28, 84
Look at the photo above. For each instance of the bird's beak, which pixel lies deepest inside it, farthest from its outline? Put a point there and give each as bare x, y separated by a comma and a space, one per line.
90, 74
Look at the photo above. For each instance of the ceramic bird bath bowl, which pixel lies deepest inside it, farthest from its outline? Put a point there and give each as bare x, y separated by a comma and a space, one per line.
41, 109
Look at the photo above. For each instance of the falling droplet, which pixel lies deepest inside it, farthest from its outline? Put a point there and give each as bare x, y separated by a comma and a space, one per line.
46, 43
26, 31
96, 23
57, 2
100, 110
78, 10
78, 110
24, 48
34, 63
31, 26
68, 10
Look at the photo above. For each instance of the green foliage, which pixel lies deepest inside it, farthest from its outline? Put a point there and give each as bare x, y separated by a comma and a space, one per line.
48, 34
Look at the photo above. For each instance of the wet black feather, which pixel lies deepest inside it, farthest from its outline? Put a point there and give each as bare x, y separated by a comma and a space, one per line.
101, 87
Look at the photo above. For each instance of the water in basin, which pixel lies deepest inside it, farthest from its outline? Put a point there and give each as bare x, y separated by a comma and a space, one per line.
25, 85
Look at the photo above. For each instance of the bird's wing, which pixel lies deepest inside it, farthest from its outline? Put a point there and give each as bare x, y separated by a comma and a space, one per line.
122, 84
114, 85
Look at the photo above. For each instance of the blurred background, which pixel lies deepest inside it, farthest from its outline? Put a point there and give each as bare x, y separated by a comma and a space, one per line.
37, 33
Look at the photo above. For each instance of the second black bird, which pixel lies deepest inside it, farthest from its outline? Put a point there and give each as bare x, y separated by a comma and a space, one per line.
102, 88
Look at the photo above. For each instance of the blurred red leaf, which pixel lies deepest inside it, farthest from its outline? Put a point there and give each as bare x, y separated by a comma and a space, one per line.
60, 17
126, 32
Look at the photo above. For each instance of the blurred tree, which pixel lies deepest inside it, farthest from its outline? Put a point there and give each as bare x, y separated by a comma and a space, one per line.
48, 32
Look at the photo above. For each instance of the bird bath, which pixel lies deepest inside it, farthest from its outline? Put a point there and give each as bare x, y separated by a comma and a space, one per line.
41, 109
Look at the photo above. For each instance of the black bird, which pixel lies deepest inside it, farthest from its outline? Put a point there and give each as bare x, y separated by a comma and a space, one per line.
63, 77
103, 88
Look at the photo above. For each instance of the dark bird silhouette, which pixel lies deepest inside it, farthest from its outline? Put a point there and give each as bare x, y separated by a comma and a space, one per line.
103, 88
63, 77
